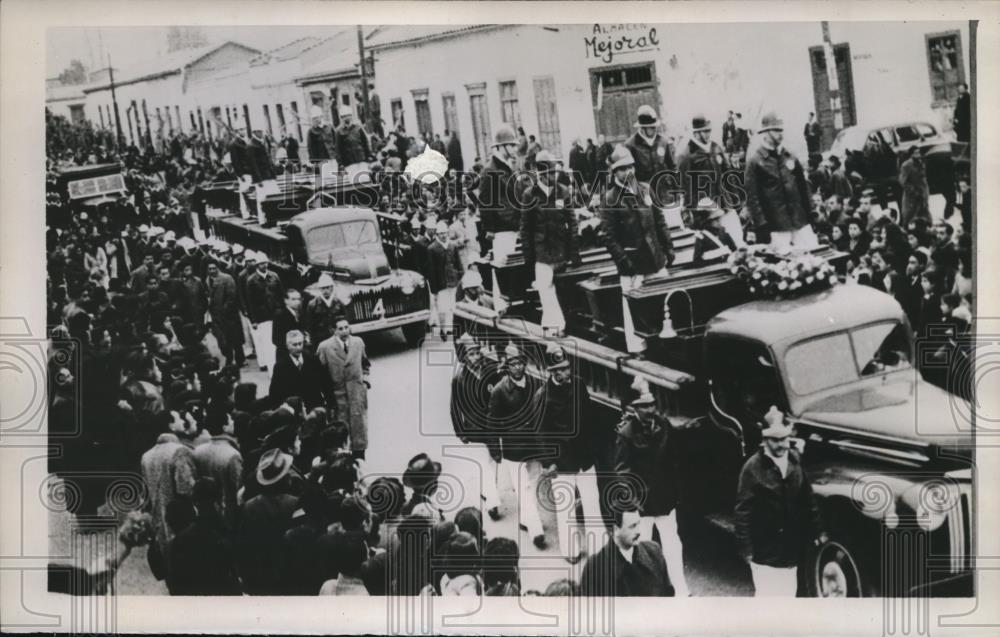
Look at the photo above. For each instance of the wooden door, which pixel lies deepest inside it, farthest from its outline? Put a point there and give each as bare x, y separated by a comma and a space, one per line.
824, 100
617, 93
548, 115
450, 113
480, 125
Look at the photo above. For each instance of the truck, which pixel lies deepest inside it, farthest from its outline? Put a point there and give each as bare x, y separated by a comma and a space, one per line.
889, 460
346, 243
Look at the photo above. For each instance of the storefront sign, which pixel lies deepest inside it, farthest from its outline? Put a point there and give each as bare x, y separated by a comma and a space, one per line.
96, 186
607, 41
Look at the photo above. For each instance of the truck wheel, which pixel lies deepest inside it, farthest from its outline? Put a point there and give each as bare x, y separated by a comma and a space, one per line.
834, 572
414, 333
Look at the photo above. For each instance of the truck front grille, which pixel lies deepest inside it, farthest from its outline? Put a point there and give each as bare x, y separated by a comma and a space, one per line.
393, 303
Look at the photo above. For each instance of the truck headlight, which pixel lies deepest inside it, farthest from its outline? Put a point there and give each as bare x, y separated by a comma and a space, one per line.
408, 287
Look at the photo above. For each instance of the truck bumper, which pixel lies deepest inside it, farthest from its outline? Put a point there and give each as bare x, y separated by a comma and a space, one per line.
379, 325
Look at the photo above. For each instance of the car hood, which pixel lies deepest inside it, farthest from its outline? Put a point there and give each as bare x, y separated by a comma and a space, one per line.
905, 408
362, 264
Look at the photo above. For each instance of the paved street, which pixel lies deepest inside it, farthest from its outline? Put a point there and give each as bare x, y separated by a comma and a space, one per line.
409, 413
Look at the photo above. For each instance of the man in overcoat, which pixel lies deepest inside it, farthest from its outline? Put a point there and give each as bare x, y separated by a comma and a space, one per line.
298, 373
224, 309
265, 294
499, 214
702, 163
347, 366
653, 156
627, 566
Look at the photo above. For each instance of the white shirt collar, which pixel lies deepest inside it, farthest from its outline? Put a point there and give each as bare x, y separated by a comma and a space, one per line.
520, 383
627, 554
780, 462
544, 188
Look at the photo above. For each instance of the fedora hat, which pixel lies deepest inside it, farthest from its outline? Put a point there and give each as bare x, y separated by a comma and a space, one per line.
273, 466
421, 470
708, 209
644, 398
512, 352
621, 157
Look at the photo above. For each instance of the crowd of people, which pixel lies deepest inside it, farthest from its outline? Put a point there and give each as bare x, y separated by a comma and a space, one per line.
271, 479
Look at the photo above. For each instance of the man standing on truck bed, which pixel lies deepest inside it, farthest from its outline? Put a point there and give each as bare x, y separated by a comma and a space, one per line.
635, 234
499, 214
778, 197
776, 514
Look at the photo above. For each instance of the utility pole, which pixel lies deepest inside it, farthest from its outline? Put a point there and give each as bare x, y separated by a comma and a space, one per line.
120, 139
364, 79
833, 80
145, 118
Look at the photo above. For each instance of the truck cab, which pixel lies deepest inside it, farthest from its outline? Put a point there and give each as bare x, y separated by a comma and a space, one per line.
344, 242
874, 437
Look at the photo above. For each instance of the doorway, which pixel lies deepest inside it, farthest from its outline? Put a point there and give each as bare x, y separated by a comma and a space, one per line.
617, 92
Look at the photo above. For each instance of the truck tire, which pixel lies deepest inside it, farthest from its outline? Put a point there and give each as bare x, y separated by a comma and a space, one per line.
834, 571
414, 333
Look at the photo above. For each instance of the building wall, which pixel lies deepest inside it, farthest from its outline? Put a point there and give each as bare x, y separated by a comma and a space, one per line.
695, 67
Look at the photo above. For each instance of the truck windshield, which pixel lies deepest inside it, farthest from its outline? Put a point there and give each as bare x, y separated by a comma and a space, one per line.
837, 359
322, 240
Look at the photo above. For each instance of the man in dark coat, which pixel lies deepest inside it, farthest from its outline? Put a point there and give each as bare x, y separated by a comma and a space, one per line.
646, 455
352, 141
635, 234
444, 270
298, 373
962, 118
729, 134
549, 237
652, 155
265, 295
224, 309
288, 318
626, 566
577, 164
265, 519
776, 514
916, 192
261, 157
778, 196
192, 296
201, 559
498, 211
321, 313
455, 160
292, 149
517, 450
840, 185
702, 163
568, 427
320, 141
139, 276
470, 391
812, 134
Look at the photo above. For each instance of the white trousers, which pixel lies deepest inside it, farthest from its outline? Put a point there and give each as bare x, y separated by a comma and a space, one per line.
803, 238
564, 500
770, 581
633, 342
444, 304
524, 476
263, 345
673, 550
552, 314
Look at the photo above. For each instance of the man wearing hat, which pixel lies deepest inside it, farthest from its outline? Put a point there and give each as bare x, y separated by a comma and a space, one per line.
224, 310
470, 390
421, 475
322, 310
263, 521
472, 289
777, 517
265, 294
702, 163
320, 141
569, 430
444, 267
711, 239
635, 234
652, 154
646, 457
548, 237
516, 453
778, 197
352, 141
499, 215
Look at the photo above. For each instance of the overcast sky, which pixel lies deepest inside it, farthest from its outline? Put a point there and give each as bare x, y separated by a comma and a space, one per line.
127, 44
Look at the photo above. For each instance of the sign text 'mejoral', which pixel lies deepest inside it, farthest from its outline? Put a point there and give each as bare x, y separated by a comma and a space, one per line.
608, 40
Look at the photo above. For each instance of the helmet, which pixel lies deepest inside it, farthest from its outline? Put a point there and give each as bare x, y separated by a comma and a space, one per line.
699, 123
472, 279
512, 352
646, 116
545, 161
621, 157
504, 135
771, 121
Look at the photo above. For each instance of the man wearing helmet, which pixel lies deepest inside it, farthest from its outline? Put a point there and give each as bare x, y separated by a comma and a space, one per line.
500, 217
652, 154
635, 234
778, 197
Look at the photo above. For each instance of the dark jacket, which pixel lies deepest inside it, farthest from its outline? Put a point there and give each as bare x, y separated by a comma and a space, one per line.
201, 560
634, 233
265, 295
701, 172
777, 191
498, 210
549, 229
321, 143
318, 319
775, 518
444, 266
567, 424
509, 417
242, 159
652, 161
470, 401
352, 145
265, 519
455, 159
963, 117
646, 455
307, 383
193, 302
285, 322
262, 160
224, 308
609, 574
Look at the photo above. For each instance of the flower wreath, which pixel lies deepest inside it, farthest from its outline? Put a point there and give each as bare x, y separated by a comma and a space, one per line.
768, 274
